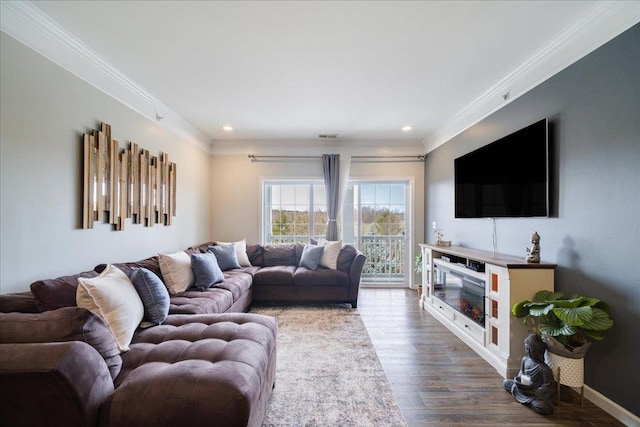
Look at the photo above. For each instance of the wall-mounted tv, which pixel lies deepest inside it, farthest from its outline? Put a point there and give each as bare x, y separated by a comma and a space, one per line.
506, 178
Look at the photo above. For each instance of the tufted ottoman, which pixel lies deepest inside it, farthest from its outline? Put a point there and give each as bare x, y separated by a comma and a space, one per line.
214, 370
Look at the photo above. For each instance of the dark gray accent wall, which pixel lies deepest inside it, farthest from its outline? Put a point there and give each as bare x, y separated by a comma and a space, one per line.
594, 231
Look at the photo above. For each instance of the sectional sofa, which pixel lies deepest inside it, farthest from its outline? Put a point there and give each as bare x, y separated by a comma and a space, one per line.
204, 361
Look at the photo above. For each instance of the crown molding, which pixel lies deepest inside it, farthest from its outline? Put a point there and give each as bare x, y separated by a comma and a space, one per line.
311, 147
29, 25
602, 23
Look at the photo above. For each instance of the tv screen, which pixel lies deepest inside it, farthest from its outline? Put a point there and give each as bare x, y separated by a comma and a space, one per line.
507, 178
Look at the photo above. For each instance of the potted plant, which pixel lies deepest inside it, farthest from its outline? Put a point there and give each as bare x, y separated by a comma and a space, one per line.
565, 324
418, 263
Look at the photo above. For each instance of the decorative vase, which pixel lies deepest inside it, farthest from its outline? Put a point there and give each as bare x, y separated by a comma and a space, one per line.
566, 371
568, 366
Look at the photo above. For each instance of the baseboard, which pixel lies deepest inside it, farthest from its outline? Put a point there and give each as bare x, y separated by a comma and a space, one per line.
611, 407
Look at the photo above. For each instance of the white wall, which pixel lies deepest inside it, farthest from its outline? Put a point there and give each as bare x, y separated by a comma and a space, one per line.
44, 112
237, 182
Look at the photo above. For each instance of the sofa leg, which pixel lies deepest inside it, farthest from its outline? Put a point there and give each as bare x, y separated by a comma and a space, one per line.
354, 304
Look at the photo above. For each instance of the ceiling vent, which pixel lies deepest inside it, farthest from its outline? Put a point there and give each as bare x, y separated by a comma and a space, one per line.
328, 136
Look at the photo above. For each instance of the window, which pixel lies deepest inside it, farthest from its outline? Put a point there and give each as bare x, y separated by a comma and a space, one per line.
293, 211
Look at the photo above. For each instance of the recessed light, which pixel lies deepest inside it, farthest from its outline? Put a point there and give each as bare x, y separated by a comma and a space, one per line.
227, 128
406, 128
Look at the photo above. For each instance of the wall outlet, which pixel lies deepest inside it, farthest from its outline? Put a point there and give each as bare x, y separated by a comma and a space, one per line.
434, 225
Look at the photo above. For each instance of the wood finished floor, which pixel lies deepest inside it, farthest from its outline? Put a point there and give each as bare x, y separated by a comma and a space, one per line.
439, 381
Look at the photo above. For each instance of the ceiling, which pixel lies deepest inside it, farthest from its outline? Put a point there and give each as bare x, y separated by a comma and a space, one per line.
288, 71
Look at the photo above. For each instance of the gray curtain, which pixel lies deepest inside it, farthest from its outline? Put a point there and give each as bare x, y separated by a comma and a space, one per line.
331, 168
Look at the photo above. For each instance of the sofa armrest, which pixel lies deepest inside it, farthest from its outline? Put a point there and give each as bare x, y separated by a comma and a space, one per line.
21, 302
57, 383
355, 272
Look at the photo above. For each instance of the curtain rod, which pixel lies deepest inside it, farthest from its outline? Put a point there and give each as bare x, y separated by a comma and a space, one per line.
359, 159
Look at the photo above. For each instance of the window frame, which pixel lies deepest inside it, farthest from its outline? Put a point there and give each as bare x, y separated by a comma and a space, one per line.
266, 219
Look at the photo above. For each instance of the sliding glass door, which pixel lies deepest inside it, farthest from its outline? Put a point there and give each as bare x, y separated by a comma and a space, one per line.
376, 220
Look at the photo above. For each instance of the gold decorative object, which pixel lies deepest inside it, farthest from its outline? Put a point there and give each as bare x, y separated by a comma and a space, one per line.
128, 184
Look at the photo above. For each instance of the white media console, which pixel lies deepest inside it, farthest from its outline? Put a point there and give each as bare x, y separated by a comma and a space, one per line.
472, 291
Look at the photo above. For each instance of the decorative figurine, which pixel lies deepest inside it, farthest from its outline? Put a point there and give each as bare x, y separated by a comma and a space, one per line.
534, 386
437, 235
534, 251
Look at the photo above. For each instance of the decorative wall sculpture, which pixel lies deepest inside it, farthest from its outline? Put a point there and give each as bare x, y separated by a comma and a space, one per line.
125, 184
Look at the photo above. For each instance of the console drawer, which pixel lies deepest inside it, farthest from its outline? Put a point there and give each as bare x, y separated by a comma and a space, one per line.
443, 308
472, 329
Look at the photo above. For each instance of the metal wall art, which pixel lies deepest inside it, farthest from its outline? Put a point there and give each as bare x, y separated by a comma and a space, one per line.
125, 184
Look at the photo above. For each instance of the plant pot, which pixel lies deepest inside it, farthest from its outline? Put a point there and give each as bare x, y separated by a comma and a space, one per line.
567, 365
556, 347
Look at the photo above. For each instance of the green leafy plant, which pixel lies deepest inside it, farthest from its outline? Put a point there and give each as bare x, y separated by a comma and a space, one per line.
418, 263
571, 321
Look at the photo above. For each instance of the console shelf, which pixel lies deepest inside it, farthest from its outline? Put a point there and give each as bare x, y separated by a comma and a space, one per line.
472, 291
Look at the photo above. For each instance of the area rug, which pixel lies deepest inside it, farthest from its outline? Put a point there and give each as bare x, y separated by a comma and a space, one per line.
328, 373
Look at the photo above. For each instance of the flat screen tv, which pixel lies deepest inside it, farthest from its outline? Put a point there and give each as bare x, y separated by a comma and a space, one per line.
506, 178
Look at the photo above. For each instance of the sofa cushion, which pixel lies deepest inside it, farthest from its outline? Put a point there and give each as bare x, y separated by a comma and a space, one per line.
237, 282
330, 253
112, 296
217, 299
281, 275
21, 302
254, 252
153, 293
346, 257
320, 277
311, 256
241, 251
279, 255
206, 270
226, 256
209, 301
176, 271
151, 263
61, 325
51, 294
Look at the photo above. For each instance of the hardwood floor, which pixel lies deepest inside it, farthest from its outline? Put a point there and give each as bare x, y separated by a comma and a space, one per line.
439, 381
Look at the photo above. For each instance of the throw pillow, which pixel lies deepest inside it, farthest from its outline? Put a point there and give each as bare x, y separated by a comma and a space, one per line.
112, 296
311, 256
206, 270
330, 254
241, 251
153, 293
226, 256
176, 270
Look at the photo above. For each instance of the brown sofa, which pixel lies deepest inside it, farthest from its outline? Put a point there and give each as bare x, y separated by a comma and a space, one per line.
62, 367
277, 277
208, 363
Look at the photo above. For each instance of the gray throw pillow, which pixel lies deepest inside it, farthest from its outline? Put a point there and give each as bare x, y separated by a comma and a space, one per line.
226, 256
311, 256
153, 293
206, 270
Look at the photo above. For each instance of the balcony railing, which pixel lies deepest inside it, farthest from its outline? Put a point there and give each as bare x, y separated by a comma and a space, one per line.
385, 256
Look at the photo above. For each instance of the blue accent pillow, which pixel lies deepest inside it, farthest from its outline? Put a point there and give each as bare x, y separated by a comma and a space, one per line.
206, 270
311, 256
153, 293
226, 256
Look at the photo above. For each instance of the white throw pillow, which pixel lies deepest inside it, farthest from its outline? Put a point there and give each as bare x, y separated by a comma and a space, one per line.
241, 251
112, 296
330, 254
176, 271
